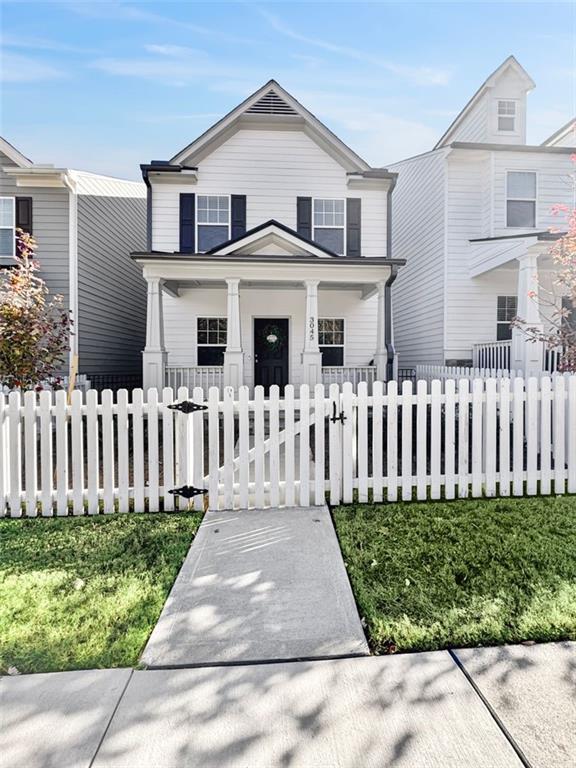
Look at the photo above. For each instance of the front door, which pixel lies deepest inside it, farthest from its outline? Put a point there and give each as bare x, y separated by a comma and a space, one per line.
271, 352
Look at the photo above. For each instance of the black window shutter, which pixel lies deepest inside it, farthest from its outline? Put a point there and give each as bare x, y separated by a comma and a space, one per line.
238, 205
353, 226
304, 217
187, 222
24, 214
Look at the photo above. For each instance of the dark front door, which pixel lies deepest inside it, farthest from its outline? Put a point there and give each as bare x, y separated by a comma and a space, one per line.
271, 351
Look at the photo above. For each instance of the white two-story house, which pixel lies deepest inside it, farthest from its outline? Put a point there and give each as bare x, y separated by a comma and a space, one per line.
268, 257
472, 218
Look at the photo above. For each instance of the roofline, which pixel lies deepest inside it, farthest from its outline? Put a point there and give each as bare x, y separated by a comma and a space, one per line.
570, 125
511, 147
507, 62
211, 259
265, 225
14, 154
309, 116
374, 173
544, 235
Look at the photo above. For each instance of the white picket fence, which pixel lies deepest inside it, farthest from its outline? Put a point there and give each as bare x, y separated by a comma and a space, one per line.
96, 454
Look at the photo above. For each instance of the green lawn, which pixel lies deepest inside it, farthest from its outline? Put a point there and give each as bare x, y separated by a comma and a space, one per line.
86, 592
462, 573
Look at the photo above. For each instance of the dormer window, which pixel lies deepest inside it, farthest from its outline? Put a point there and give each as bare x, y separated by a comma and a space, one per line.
507, 116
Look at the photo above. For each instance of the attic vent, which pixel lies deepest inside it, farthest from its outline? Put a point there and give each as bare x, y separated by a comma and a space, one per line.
271, 104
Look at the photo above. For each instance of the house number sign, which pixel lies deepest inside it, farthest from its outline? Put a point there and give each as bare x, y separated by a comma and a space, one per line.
311, 326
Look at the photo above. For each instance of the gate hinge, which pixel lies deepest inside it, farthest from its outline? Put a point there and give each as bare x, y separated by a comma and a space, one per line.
337, 416
188, 406
188, 491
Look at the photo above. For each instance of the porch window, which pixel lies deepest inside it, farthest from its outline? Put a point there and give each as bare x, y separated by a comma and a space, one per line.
331, 340
213, 221
211, 340
7, 226
507, 311
507, 116
521, 199
329, 224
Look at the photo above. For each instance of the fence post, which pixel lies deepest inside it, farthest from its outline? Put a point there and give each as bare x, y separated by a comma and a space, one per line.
407, 457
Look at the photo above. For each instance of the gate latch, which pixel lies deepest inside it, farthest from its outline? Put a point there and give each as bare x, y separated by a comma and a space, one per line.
188, 406
337, 416
188, 491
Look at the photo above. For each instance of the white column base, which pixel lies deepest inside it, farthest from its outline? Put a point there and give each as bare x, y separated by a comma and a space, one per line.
153, 369
311, 368
233, 369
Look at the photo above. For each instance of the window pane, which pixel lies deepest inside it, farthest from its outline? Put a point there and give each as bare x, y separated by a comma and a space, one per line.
333, 239
210, 355
506, 123
506, 107
521, 213
210, 236
6, 211
6, 242
332, 355
522, 184
503, 332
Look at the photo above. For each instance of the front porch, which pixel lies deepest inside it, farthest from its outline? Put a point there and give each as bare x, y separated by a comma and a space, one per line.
216, 321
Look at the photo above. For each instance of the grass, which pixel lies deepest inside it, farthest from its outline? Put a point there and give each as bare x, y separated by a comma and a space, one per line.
463, 573
86, 592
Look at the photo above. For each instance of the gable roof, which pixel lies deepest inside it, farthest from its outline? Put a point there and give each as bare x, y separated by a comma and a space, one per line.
272, 231
15, 155
561, 133
271, 103
490, 81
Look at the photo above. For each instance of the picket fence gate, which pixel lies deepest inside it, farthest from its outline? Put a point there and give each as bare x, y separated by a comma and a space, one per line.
100, 454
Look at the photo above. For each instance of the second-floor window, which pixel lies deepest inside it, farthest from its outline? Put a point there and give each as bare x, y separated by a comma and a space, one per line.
506, 313
213, 221
507, 116
329, 224
7, 226
521, 199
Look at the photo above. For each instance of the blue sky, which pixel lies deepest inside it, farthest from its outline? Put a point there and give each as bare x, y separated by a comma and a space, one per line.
104, 86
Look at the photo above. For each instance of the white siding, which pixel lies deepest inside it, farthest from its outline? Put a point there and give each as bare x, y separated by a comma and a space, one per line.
418, 237
180, 322
272, 168
474, 127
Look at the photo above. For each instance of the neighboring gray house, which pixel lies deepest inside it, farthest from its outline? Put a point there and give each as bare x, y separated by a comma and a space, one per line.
85, 226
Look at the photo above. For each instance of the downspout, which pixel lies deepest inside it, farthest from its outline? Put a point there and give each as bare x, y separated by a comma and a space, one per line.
148, 209
70, 183
388, 287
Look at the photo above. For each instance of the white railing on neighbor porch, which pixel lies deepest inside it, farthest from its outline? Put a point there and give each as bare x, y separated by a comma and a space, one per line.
340, 374
552, 358
456, 373
492, 354
204, 376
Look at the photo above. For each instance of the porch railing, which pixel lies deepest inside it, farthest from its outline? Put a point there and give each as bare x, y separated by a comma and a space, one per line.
340, 374
492, 354
552, 358
204, 376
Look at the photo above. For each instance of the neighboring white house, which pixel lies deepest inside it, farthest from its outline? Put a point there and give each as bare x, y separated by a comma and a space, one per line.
85, 226
472, 218
268, 258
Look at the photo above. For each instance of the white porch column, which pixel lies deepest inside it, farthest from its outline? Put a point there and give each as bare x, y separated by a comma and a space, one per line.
527, 356
233, 356
154, 355
311, 356
381, 356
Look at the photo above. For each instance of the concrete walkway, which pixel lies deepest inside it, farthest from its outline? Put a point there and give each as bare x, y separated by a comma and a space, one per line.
256, 586
407, 711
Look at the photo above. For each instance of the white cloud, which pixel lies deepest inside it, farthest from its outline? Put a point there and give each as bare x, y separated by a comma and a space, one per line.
417, 75
40, 44
24, 69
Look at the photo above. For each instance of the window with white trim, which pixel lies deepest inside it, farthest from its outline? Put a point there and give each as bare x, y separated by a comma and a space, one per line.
213, 221
521, 199
7, 226
331, 340
329, 222
211, 340
506, 116
507, 311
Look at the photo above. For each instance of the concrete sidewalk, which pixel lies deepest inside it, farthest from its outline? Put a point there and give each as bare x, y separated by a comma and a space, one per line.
408, 711
257, 586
